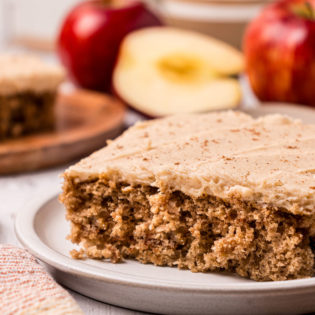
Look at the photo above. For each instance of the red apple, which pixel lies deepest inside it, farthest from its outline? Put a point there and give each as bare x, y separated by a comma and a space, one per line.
279, 48
90, 36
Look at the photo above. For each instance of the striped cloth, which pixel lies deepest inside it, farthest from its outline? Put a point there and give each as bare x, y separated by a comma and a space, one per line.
26, 288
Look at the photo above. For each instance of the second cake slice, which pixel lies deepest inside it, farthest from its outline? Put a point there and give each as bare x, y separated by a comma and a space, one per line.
28, 89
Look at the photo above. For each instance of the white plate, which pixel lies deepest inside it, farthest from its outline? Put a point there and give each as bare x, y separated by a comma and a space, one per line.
305, 113
42, 228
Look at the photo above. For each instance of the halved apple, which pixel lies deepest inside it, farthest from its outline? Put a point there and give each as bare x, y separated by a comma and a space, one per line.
162, 71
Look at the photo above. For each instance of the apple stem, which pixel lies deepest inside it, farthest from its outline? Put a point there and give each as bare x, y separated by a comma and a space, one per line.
305, 10
310, 9
113, 3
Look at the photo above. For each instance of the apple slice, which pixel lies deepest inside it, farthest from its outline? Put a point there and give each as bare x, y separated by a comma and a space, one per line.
162, 71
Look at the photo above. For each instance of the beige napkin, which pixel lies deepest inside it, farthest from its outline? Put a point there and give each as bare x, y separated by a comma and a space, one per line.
26, 288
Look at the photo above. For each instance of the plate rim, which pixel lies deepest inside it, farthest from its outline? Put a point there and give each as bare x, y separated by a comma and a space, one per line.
26, 234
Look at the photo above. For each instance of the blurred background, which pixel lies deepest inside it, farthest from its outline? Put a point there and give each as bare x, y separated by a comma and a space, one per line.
34, 24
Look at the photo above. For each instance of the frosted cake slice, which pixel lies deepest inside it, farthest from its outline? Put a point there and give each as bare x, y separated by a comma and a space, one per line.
219, 191
27, 95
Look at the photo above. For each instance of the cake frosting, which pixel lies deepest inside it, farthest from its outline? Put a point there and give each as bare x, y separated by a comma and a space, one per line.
269, 160
26, 73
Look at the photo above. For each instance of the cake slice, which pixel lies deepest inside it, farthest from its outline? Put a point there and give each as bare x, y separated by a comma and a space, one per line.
27, 95
205, 192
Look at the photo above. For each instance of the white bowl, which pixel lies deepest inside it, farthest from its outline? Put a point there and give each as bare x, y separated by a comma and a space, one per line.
223, 19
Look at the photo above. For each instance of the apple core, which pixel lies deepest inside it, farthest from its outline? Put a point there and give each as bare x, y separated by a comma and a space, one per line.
181, 68
163, 70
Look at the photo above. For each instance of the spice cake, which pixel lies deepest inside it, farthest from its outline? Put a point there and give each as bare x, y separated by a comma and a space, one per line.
219, 191
27, 95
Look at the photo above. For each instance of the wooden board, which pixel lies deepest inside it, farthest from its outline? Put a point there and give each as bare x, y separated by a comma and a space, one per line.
84, 120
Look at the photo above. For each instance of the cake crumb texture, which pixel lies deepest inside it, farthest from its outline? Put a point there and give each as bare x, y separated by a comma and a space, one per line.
26, 113
116, 221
